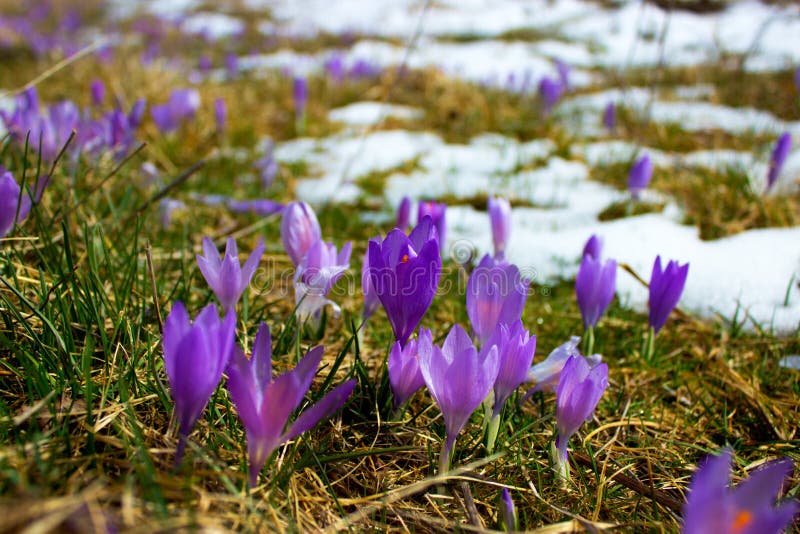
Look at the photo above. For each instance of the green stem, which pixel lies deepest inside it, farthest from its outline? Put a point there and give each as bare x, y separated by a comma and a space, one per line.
491, 433
560, 465
588, 341
648, 349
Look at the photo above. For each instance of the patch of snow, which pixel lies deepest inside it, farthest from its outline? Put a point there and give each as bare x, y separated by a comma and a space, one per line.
212, 25
371, 113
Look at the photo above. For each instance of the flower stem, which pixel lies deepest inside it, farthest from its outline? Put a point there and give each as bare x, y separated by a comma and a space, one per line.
560, 464
588, 341
648, 349
491, 432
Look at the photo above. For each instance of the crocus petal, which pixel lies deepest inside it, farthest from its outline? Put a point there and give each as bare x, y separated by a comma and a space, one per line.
323, 409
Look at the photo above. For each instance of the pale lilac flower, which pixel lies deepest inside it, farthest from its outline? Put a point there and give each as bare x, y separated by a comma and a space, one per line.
437, 211
496, 294
371, 299
267, 166
550, 92
226, 278
405, 376
299, 230
639, 177
316, 274
547, 374
579, 390
181, 106
220, 114
500, 218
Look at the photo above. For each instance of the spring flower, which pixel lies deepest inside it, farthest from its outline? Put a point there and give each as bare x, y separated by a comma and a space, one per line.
334, 67
166, 208
496, 294
508, 515
98, 92
778, 158
299, 230
231, 66
404, 214
316, 274
224, 275
300, 95
550, 92
267, 166
749, 508
579, 390
195, 356
593, 247
639, 176
666, 287
405, 376
181, 106
500, 218
264, 405
610, 117
13, 206
437, 211
547, 374
220, 114
371, 300
405, 274
459, 379
594, 288
563, 73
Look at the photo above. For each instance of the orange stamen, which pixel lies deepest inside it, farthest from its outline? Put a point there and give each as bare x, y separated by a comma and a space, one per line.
741, 521
405, 258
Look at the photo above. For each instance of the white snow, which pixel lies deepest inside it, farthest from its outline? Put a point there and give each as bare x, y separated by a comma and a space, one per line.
371, 113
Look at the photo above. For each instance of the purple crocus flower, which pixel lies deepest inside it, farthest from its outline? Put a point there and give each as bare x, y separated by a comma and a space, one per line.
593, 247
181, 106
267, 166
500, 218
579, 391
405, 376
300, 96
257, 206
404, 271
749, 508
136, 114
563, 73
371, 300
195, 356
166, 208
515, 349
496, 295
204, 63
547, 374
220, 114
404, 214
437, 211
507, 512
459, 379
264, 405
550, 92
98, 91
12, 206
639, 176
666, 287
316, 274
299, 230
778, 158
610, 117
224, 275
231, 65
334, 66
594, 288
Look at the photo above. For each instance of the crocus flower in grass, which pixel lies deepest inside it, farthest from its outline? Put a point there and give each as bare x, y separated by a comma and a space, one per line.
181, 106
579, 390
15, 207
610, 116
547, 374
459, 379
319, 269
264, 405
593, 247
496, 294
371, 300
220, 114
405, 376
404, 214
778, 158
299, 230
749, 508
515, 349
500, 218
224, 275
508, 515
666, 287
437, 211
639, 176
195, 355
594, 288
550, 92
98, 92
300, 95
404, 271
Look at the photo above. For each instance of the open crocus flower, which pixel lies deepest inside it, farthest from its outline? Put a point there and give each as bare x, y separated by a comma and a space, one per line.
181, 106
319, 269
666, 287
746, 509
404, 271
437, 211
299, 230
496, 294
405, 376
594, 288
579, 390
500, 218
778, 158
547, 374
459, 379
264, 405
639, 176
195, 355
224, 275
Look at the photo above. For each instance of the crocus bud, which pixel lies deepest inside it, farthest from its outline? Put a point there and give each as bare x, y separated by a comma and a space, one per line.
550, 92
610, 117
500, 218
98, 92
404, 214
594, 288
496, 294
639, 177
593, 247
778, 158
299, 230
405, 376
508, 515
437, 211
666, 287
220, 114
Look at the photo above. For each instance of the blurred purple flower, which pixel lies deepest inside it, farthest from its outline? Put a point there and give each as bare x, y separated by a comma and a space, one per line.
404, 214
579, 390
166, 208
316, 274
181, 106
300, 96
610, 117
371, 300
749, 508
437, 211
231, 66
226, 278
204, 64
459, 379
13, 206
496, 294
220, 114
195, 356
507, 512
97, 89
550, 92
404, 271
299, 230
778, 158
500, 218
264, 405
547, 374
334, 66
593, 247
639, 176
666, 287
405, 376
258, 206
594, 288
563, 73
267, 166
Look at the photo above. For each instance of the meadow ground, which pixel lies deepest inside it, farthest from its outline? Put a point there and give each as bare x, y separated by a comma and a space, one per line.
87, 437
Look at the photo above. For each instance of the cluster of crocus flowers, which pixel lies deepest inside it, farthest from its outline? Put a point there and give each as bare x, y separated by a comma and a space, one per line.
779, 154
181, 107
666, 287
500, 219
496, 294
226, 278
639, 176
749, 508
594, 287
15, 204
265, 405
